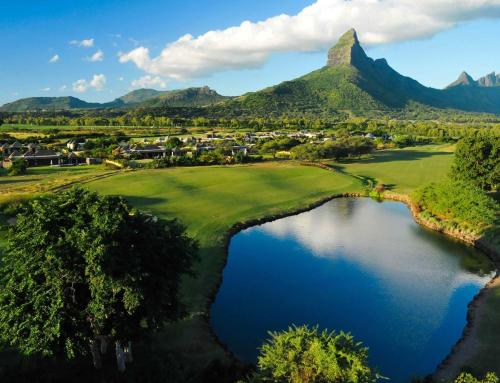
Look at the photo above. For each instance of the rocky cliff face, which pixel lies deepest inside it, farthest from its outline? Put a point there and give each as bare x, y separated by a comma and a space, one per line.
489, 81
463, 80
347, 51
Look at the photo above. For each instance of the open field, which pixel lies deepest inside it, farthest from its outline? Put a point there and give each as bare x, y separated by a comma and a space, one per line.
47, 178
403, 170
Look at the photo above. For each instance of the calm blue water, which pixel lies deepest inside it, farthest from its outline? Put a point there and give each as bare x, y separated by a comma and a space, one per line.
355, 265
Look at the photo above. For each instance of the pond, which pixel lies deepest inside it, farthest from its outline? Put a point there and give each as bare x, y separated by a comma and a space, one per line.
355, 265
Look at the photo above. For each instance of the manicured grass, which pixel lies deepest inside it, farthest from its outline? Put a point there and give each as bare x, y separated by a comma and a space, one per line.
46, 178
403, 170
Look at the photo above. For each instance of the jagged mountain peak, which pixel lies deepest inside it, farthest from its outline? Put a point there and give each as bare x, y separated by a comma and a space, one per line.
347, 51
490, 80
464, 79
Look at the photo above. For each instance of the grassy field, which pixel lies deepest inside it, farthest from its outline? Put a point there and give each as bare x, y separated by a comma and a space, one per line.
403, 170
47, 178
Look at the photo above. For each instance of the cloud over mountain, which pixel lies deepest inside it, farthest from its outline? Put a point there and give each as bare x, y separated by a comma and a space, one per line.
97, 82
148, 82
317, 26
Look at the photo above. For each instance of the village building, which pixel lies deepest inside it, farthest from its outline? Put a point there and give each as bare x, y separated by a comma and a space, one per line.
76, 145
93, 161
72, 159
43, 157
148, 151
239, 149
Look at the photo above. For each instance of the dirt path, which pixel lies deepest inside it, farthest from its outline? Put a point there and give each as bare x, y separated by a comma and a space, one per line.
469, 344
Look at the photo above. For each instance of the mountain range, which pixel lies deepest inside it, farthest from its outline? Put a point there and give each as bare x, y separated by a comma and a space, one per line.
140, 98
350, 81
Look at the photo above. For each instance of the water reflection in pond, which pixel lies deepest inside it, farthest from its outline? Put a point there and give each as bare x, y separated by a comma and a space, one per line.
354, 265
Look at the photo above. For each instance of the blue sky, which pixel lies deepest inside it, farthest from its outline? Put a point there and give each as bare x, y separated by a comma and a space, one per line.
33, 32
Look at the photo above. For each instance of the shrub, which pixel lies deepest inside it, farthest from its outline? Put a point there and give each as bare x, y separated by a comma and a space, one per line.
459, 204
306, 355
19, 167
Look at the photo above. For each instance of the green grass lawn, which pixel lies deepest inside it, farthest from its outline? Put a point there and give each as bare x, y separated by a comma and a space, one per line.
46, 178
403, 170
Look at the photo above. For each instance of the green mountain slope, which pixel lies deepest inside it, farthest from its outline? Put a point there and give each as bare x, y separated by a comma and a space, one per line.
184, 98
139, 95
351, 81
47, 103
140, 98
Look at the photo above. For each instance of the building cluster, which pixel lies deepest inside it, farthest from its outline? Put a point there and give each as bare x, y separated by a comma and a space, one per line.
73, 152
35, 155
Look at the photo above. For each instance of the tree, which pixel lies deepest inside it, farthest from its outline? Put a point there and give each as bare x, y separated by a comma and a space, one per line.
477, 159
82, 269
18, 167
270, 147
306, 355
468, 378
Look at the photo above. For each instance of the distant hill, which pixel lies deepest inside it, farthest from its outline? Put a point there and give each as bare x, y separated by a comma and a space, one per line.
140, 98
184, 98
47, 103
351, 81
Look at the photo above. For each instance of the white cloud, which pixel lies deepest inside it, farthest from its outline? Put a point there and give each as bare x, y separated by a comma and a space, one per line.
80, 86
45, 89
54, 59
314, 28
98, 56
97, 82
121, 78
62, 88
86, 43
148, 82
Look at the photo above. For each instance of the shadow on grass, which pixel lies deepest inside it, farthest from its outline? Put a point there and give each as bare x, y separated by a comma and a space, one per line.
7, 180
391, 155
146, 204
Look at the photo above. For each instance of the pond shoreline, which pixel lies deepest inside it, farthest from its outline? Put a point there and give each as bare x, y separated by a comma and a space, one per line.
235, 229
446, 369
449, 368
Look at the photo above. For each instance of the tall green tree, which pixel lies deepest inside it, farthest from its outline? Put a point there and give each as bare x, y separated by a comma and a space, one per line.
82, 270
477, 159
307, 355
